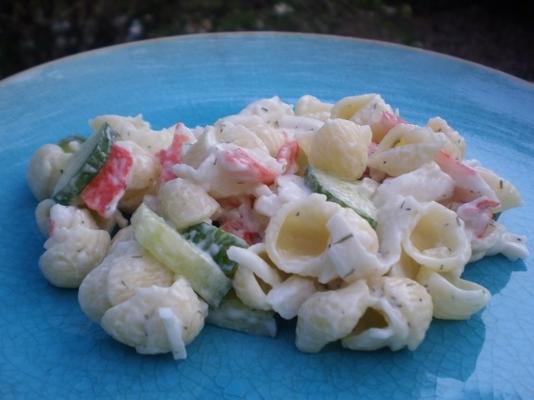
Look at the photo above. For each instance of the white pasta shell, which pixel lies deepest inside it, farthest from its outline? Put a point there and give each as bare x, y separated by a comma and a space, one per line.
406, 267
198, 151
367, 109
130, 272
310, 106
455, 143
353, 247
126, 234
405, 148
348, 107
45, 168
93, 291
143, 177
185, 203
426, 183
297, 237
239, 135
145, 169
340, 148
329, 316
140, 323
381, 325
270, 110
252, 267
396, 218
305, 141
497, 240
92, 294
438, 239
42, 215
133, 198
287, 297
399, 313
506, 192
71, 254
453, 297
271, 136
136, 130
71, 217
414, 303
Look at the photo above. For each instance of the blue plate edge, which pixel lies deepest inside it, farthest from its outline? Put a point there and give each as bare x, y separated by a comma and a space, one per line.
192, 36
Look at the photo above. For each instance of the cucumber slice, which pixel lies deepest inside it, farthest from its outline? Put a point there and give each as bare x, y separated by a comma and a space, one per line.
64, 143
84, 165
233, 314
346, 194
215, 242
180, 255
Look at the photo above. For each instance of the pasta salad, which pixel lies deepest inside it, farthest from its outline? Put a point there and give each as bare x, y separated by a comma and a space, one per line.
344, 216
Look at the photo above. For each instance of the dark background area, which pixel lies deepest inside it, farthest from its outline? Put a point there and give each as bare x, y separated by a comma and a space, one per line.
497, 34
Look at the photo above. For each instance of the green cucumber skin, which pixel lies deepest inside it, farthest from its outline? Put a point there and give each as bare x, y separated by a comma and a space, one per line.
233, 314
204, 235
315, 186
67, 194
179, 255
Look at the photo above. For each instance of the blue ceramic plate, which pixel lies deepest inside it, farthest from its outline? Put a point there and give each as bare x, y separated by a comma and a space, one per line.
50, 350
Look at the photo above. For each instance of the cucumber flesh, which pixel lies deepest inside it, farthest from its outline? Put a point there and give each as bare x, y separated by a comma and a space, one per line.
346, 194
84, 165
179, 255
216, 243
233, 314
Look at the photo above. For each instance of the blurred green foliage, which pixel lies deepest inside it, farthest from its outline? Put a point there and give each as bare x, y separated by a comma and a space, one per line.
34, 31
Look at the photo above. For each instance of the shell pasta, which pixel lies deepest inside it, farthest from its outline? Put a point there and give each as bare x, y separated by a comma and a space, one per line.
339, 214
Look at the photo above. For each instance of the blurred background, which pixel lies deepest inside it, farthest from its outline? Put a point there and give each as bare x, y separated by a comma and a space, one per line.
497, 34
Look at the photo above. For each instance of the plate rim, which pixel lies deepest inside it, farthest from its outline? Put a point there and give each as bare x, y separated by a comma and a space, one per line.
321, 36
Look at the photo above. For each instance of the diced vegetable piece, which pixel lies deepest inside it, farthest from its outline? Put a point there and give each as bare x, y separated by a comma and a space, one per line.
215, 242
346, 194
233, 314
84, 165
180, 255
105, 190
65, 143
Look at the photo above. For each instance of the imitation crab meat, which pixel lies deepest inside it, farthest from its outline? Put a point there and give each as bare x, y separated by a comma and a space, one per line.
469, 185
245, 168
477, 214
238, 218
105, 190
287, 155
173, 154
